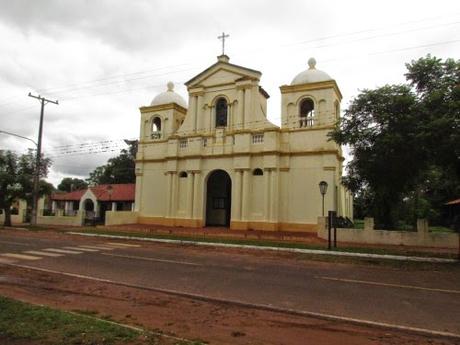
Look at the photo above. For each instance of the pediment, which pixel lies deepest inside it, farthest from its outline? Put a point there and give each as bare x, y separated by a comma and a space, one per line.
223, 73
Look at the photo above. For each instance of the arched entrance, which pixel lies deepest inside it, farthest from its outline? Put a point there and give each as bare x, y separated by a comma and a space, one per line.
89, 205
218, 199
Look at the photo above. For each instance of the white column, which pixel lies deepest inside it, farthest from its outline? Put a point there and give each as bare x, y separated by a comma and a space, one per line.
53, 206
247, 106
245, 208
236, 201
230, 117
168, 194
274, 196
239, 111
173, 195
199, 114
212, 121
192, 108
114, 206
196, 196
190, 179
267, 200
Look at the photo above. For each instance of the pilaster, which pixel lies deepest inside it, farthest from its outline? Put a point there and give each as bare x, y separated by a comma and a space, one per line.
173, 194
274, 195
192, 109
197, 199
190, 184
239, 110
236, 202
245, 206
168, 193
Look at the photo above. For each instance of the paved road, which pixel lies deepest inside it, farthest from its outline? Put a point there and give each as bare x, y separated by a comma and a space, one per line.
422, 299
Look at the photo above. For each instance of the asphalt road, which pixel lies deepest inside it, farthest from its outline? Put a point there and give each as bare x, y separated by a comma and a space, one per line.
412, 298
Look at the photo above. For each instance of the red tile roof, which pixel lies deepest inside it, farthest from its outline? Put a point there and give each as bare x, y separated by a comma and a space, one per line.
103, 192
72, 196
120, 192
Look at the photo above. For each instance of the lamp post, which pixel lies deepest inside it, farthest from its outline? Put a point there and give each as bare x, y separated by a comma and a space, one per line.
323, 191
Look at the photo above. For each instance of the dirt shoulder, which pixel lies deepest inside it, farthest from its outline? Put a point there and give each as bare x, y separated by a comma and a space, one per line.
215, 323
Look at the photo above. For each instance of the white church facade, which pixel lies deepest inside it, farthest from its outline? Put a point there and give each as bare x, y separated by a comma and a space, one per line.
219, 161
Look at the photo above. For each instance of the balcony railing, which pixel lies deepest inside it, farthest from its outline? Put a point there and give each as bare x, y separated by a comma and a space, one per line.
155, 135
306, 121
258, 138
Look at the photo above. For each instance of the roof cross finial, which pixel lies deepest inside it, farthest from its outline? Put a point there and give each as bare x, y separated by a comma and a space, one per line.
223, 37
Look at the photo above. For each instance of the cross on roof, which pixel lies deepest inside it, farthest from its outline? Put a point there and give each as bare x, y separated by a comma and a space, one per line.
223, 37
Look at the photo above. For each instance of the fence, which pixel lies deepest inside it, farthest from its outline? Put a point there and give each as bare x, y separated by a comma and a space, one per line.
420, 238
60, 218
18, 218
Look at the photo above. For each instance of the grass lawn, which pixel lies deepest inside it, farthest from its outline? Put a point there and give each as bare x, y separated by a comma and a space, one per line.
45, 326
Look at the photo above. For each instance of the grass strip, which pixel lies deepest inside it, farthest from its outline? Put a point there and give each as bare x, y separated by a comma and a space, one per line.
20, 320
46, 326
268, 243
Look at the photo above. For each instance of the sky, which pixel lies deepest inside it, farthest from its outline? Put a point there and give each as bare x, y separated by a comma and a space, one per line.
103, 59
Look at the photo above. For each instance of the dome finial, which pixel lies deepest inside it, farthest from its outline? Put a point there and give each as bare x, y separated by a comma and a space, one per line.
170, 86
312, 63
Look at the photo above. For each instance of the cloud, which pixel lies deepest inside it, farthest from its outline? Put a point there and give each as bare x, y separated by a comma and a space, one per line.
102, 59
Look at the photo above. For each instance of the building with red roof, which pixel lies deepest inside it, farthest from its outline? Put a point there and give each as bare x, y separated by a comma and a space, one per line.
95, 200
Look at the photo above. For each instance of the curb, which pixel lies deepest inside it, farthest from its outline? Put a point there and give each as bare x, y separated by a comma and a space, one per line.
279, 249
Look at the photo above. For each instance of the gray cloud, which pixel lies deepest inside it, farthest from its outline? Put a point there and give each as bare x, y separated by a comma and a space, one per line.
146, 24
56, 43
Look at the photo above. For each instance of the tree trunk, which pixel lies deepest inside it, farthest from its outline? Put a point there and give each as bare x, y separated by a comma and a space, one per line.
7, 212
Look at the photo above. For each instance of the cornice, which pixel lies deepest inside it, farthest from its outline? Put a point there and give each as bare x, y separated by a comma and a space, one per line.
168, 106
243, 154
312, 86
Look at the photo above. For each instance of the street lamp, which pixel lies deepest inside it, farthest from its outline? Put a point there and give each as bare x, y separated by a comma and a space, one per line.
323, 191
36, 177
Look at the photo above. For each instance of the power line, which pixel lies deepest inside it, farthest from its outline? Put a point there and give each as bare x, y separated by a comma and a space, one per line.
106, 78
87, 84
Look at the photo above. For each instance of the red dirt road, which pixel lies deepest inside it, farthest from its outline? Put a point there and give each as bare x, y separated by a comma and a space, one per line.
216, 323
192, 318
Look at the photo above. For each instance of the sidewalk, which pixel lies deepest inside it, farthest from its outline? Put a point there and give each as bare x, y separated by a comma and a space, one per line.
272, 248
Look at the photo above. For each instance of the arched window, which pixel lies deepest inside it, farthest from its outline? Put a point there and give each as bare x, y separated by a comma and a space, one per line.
156, 128
183, 174
221, 112
307, 113
258, 172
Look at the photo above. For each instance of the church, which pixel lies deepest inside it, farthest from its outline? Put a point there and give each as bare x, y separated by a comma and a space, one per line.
217, 160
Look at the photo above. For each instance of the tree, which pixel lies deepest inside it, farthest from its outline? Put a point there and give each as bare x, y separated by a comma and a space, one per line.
437, 84
16, 179
398, 134
69, 184
118, 169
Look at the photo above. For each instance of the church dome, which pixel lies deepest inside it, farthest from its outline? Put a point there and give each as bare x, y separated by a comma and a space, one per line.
311, 75
169, 96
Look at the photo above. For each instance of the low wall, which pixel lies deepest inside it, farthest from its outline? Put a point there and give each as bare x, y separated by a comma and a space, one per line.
59, 219
15, 218
121, 217
420, 238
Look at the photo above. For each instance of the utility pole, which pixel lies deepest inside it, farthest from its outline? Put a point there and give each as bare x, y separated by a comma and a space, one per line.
43, 102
